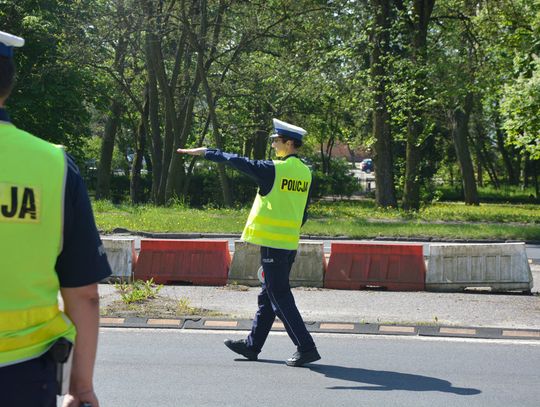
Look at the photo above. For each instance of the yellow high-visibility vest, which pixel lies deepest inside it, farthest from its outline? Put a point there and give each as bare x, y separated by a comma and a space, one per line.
275, 219
32, 184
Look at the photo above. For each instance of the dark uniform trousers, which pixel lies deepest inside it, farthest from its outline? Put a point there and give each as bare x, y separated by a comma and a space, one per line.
29, 384
276, 299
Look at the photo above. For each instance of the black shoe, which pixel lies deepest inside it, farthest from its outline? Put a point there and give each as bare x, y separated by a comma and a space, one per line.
241, 348
301, 358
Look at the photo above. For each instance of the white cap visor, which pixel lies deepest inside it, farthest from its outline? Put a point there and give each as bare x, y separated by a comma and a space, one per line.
11, 40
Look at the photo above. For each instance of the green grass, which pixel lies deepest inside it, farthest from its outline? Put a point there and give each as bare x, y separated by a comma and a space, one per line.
355, 219
362, 230
176, 218
438, 212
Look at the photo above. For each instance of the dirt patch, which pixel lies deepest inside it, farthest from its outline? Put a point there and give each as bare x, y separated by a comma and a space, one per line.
159, 307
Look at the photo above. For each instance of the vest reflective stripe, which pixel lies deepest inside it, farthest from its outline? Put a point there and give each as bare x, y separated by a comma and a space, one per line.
276, 237
32, 184
36, 335
276, 218
263, 220
22, 319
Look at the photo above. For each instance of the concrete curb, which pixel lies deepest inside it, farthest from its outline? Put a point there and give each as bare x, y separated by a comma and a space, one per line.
326, 327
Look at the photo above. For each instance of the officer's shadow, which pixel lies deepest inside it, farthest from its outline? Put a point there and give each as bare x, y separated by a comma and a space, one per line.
382, 380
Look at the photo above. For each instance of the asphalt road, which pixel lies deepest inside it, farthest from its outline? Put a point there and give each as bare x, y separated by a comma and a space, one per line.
193, 368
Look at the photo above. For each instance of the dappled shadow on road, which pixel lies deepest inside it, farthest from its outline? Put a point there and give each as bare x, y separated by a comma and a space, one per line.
384, 380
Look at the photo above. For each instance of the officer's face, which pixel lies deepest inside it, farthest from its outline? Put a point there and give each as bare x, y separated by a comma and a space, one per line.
279, 146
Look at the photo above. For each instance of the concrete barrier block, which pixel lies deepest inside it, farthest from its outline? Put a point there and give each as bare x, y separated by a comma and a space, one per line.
309, 265
245, 263
499, 266
121, 255
307, 270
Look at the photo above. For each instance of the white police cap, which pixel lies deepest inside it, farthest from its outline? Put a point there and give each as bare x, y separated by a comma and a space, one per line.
288, 130
7, 42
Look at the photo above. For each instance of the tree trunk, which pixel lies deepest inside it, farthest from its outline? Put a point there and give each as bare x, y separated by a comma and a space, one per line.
479, 172
328, 152
535, 175
203, 75
411, 187
353, 156
528, 171
170, 119
484, 157
157, 67
460, 135
324, 168
155, 129
176, 170
513, 175
422, 10
135, 185
479, 167
260, 138
385, 194
103, 187
492, 171
259, 144
184, 122
189, 171
224, 180
168, 89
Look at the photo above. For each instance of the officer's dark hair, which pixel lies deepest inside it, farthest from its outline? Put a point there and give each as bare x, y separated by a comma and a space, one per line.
7, 76
297, 143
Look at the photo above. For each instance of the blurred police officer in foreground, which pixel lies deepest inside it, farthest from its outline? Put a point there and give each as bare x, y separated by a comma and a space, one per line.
274, 224
48, 243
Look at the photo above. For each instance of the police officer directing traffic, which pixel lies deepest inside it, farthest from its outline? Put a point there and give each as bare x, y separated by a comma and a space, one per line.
274, 224
48, 243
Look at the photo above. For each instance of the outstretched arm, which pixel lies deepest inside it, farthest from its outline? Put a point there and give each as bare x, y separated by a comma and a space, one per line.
261, 171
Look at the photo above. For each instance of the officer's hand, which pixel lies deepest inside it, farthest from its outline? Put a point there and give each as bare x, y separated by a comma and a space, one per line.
76, 400
192, 151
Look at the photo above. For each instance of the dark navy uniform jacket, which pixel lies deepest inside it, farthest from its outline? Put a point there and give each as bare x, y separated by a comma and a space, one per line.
83, 260
263, 172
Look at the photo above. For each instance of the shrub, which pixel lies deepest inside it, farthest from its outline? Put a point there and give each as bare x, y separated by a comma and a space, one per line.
509, 194
339, 181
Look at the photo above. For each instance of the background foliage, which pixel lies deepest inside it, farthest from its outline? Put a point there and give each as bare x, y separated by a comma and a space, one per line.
123, 83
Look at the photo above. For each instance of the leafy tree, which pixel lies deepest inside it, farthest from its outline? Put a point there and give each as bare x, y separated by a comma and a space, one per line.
53, 91
520, 106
